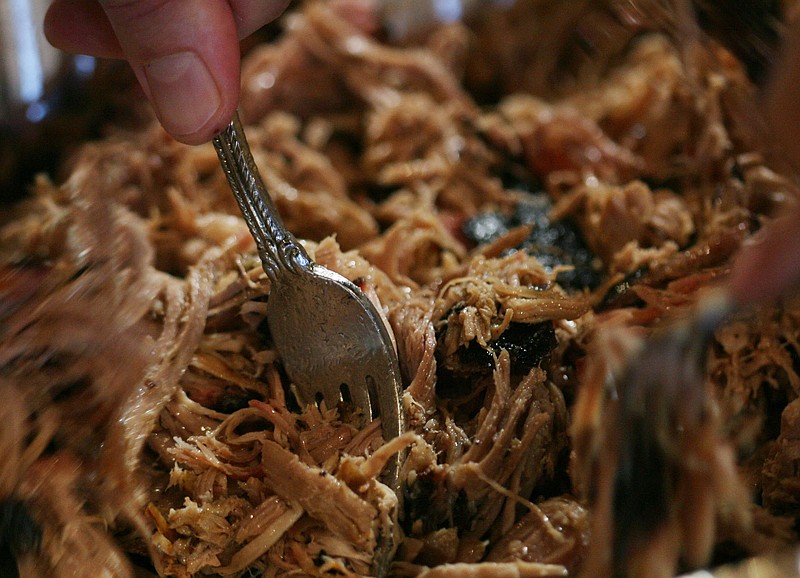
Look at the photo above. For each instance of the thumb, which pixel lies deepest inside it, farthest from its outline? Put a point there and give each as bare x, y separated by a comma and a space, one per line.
185, 54
769, 265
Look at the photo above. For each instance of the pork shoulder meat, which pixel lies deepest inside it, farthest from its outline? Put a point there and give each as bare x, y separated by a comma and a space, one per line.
519, 227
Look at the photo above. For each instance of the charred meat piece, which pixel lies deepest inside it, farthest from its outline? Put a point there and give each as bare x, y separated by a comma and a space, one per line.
621, 294
527, 345
553, 243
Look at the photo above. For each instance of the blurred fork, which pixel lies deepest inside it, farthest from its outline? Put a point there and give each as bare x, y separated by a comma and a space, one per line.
660, 392
331, 339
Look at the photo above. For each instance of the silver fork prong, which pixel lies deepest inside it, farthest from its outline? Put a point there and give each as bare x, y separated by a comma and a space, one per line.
350, 392
360, 396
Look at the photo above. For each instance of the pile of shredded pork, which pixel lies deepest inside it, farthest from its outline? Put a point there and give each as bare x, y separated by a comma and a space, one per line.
523, 195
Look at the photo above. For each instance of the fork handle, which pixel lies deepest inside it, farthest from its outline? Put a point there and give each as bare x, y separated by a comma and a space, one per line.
278, 248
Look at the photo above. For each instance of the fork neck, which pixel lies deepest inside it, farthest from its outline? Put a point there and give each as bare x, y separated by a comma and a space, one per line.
279, 250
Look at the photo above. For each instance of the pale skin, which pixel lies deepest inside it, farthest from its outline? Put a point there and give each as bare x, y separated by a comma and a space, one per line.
185, 54
769, 267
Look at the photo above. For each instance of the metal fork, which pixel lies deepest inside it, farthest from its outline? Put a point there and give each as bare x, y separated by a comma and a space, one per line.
660, 391
331, 339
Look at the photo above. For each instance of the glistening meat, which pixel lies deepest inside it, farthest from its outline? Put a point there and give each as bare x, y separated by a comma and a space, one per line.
522, 204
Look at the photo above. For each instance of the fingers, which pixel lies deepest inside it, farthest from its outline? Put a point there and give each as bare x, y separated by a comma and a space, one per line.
769, 264
250, 15
81, 27
768, 267
185, 53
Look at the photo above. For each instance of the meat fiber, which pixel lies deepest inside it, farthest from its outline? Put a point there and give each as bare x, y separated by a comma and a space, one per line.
522, 207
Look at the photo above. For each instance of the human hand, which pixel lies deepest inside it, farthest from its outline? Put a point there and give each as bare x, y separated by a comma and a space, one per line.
769, 264
185, 53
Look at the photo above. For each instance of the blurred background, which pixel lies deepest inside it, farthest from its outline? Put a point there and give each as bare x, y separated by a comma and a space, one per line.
50, 101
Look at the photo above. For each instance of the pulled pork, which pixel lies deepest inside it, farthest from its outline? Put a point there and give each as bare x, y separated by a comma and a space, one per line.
519, 225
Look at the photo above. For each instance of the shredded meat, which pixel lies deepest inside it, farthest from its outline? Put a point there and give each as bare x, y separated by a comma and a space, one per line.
522, 208
780, 468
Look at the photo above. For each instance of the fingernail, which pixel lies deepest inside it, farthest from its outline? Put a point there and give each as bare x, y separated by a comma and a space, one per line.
184, 94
